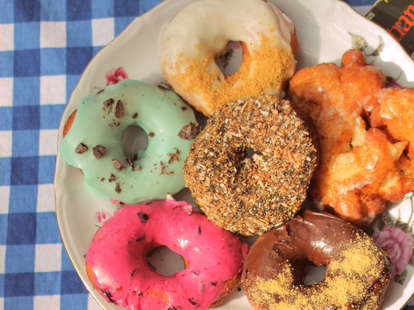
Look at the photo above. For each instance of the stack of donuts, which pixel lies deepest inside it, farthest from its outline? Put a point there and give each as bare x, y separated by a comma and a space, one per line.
249, 170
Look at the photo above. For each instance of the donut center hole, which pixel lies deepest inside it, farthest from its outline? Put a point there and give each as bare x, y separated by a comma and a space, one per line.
230, 59
164, 261
134, 142
313, 274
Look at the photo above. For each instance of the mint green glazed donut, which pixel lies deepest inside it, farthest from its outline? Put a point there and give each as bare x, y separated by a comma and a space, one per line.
94, 142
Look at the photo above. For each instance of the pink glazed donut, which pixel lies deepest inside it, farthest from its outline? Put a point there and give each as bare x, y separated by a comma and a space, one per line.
116, 260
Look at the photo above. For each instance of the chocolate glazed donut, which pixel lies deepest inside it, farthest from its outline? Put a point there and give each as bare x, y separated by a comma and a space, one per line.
357, 274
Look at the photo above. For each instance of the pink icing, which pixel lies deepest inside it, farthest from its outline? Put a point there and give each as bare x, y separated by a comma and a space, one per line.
117, 265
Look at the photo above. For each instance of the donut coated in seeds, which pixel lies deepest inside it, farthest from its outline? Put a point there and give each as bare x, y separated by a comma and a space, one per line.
250, 168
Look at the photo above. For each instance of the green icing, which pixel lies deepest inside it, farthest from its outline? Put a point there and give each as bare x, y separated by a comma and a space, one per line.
160, 112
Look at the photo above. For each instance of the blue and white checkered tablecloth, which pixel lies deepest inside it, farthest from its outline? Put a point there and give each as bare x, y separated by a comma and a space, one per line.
44, 47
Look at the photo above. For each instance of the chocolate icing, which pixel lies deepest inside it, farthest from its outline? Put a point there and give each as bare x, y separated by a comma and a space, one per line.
318, 238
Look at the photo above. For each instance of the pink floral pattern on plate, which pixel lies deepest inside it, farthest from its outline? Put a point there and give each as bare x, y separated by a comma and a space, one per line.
102, 217
398, 245
116, 75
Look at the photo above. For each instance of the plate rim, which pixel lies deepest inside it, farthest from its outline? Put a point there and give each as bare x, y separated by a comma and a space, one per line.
58, 211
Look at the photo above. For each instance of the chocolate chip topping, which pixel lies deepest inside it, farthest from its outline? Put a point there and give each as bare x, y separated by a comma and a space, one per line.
112, 178
99, 151
81, 148
118, 165
172, 308
119, 109
174, 156
193, 302
109, 296
118, 188
100, 91
151, 134
189, 131
199, 230
108, 103
163, 169
143, 217
135, 115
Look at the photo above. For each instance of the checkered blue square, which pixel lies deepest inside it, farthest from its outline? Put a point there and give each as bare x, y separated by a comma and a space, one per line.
26, 117
71, 283
79, 34
21, 229
23, 199
47, 230
71, 81
3, 230
20, 258
102, 8
7, 12
24, 42
52, 61
50, 116
25, 143
47, 283
26, 11
19, 284
79, 10
26, 62
26, 94
6, 117
46, 169
77, 59
125, 8
19, 303
24, 170
6, 63
74, 301
1, 285
53, 10
51, 44
66, 263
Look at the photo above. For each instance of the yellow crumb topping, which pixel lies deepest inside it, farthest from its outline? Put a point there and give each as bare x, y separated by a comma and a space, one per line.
264, 69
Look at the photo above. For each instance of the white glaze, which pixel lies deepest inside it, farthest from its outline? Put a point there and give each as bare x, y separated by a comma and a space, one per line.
213, 23
202, 30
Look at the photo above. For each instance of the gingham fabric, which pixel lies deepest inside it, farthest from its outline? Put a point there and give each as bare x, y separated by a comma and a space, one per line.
44, 47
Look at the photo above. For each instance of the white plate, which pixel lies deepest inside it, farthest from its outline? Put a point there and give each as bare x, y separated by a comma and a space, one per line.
323, 28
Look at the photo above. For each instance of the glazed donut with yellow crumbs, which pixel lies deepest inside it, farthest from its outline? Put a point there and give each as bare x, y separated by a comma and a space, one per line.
199, 33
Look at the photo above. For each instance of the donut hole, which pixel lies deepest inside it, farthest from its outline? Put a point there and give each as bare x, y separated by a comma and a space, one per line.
134, 141
231, 58
310, 274
164, 261
240, 157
